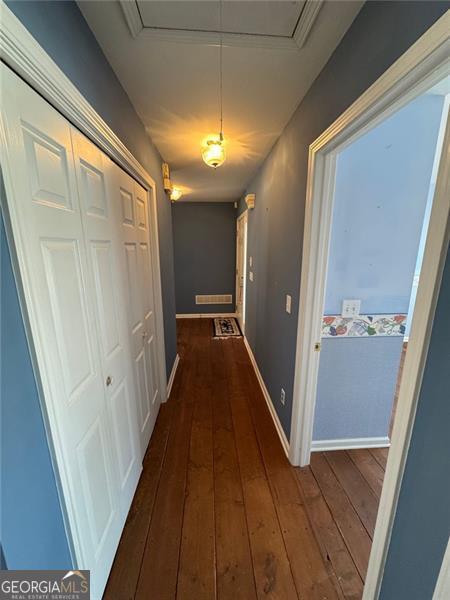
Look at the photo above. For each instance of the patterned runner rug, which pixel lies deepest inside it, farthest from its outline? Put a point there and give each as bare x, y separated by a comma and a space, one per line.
226, 327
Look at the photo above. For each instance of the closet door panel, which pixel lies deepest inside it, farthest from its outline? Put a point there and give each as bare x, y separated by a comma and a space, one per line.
125, 433
100, 217
43, 203
135, 238
149, 317
136, 326
147, 292
63, 270
103, 267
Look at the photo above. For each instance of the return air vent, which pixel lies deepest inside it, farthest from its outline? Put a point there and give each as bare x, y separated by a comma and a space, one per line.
214, 299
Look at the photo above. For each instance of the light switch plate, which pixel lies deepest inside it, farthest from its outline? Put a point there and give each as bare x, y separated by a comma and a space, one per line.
250, 275
288, 303
351, 308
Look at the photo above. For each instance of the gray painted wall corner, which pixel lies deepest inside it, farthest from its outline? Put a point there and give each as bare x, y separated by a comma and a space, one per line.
204, 237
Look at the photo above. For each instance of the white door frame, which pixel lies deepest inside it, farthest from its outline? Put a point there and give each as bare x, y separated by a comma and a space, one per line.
242, 221
442, 589
420, 67
20, 51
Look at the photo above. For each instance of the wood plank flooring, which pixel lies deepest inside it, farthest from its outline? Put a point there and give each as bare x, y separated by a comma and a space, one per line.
219, 513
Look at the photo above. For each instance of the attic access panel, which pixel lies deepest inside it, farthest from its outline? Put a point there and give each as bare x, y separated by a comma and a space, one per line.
271, 18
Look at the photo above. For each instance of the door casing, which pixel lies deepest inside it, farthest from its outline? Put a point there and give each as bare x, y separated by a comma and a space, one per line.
241, 268
425, 63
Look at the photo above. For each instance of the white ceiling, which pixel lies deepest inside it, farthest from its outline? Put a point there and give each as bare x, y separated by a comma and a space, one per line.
173, 81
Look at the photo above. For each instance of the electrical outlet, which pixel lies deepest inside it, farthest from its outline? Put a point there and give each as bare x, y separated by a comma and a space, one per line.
351, 308
250, 275
282, 397
288, 303
250, 261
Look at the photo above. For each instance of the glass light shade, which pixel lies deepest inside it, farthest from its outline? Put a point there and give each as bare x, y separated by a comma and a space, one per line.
214, 153
175, 194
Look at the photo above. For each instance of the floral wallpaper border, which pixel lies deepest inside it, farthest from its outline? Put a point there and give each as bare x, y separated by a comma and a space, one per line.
363, 325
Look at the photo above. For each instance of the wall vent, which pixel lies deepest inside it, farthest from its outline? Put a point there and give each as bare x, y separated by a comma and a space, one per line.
214, 299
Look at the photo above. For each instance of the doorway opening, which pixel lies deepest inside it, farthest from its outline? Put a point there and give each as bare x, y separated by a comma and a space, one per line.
383, 194
409, 82
241, 268
382, 200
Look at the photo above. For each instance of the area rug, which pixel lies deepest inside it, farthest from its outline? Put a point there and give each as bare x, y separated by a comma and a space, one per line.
225, 327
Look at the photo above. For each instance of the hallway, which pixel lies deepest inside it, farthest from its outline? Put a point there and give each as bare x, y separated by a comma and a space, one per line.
219, 512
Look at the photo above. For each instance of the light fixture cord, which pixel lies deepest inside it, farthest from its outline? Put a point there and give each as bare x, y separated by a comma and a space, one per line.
221, 69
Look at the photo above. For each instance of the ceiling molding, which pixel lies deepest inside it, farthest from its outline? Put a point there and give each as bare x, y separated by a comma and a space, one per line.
306, 22
132, 16
244, 40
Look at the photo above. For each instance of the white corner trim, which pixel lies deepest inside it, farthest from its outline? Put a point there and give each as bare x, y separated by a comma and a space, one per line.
276, 420
172, 375
132, 16
306, 22
350, 444
204, 315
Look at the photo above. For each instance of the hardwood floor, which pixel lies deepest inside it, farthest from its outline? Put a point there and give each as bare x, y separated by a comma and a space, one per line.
220, 513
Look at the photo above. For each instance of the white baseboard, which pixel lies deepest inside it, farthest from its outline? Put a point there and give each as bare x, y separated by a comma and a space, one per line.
276, 420
350, 444
203, 315
172, 375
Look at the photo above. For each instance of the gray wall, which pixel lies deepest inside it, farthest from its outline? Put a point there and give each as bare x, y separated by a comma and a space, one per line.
61, 30
204, 238
380, 34
31, 523
422, 523
356, 387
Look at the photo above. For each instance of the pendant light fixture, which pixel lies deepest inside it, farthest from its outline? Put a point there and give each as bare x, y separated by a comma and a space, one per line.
213, 152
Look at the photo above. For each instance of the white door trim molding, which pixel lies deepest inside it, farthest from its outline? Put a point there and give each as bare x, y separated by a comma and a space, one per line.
241, 221
425, 63
20, 51
283, 439
442, 589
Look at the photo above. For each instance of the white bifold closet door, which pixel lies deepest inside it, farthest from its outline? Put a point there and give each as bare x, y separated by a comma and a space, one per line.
64, 200
141, 316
